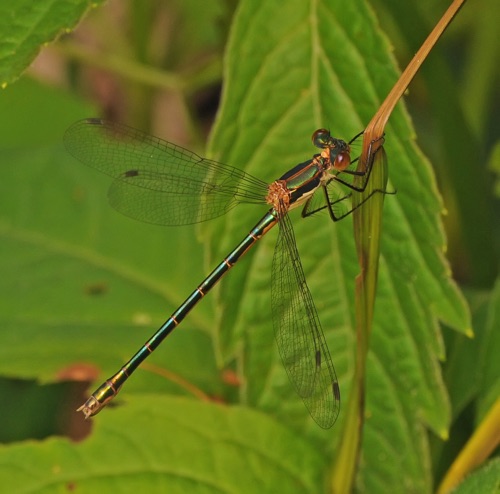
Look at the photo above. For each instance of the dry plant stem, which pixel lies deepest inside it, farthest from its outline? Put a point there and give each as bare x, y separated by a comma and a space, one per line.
375, 128
367, 228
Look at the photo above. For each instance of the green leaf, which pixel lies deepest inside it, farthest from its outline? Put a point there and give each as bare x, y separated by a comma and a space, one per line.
26, 26
70, 263
488, 377
175, 446
472, 370
283, 80
484, 479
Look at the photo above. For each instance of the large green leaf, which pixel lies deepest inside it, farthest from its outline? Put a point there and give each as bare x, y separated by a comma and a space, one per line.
176, 446
71, 263
26, 26
324, 64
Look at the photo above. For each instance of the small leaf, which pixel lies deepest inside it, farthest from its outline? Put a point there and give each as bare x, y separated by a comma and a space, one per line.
26, 26
486, 480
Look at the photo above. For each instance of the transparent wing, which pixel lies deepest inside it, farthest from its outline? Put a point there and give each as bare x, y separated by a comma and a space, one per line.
298, 332
332, 196
157, 181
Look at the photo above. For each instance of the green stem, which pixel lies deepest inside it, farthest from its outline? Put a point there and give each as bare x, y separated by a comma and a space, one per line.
367, 232
143, 74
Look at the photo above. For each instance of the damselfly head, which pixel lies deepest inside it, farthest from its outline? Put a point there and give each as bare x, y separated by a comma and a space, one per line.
323, 139
337, 150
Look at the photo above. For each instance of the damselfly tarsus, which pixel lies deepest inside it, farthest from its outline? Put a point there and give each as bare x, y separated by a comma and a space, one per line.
158, 182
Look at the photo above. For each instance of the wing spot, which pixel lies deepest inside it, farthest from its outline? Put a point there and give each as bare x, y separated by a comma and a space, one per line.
131, 173
336, 390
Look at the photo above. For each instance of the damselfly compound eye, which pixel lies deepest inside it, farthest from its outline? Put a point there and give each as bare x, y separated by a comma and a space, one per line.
342, 161
321, 138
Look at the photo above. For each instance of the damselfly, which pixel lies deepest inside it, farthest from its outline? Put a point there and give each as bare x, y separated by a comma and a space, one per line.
158, 182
